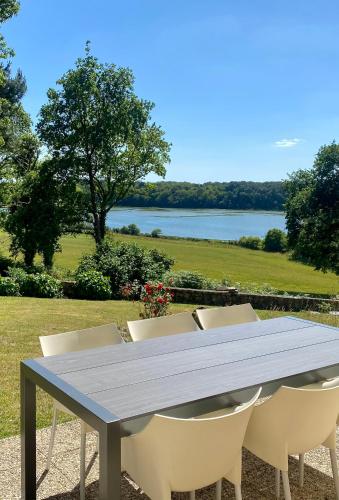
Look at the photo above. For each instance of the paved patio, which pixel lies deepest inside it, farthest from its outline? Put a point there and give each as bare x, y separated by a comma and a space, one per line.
61, 482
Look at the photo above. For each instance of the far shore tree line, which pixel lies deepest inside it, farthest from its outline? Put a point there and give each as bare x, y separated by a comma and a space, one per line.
94, 144
234, 195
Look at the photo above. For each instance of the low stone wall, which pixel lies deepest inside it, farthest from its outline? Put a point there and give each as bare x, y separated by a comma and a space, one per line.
232, 296
258, 301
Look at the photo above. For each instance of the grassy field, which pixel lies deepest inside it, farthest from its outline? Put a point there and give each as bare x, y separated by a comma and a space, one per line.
22, 320
215, 260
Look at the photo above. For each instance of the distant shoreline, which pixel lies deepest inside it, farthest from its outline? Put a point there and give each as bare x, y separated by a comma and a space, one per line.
236, 210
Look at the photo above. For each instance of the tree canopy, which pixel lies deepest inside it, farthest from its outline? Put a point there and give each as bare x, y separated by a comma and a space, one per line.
103, 132
8, 9
44, 203
13, 119
312, 211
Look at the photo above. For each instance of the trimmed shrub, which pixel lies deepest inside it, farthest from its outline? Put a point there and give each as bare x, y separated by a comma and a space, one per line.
41, 285
93, 285
189, 279
252, 242
275, 241
126, 263
9, 287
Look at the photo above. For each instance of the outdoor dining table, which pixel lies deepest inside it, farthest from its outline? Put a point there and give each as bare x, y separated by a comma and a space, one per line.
116, 389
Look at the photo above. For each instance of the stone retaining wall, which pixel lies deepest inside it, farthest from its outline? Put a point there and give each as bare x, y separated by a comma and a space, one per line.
232, 296
258, 301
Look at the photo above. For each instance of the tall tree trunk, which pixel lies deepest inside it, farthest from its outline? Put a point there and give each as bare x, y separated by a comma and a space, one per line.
29, 255
48, 255
102, 223
94, 206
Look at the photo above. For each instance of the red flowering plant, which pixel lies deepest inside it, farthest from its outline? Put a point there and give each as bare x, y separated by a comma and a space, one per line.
155, 299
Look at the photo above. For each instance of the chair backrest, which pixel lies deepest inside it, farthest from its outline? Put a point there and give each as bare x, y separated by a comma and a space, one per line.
296, 420
164, 325
193, 453
79, 340
228, 315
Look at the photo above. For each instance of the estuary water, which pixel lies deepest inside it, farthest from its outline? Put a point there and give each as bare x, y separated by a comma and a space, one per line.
198, 223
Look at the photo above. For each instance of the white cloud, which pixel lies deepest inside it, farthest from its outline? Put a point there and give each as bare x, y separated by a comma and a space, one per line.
287, 143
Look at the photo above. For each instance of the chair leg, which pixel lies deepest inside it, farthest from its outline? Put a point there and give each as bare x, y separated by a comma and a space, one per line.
82, 461
277, 483
301, 469
192, 495
335, 471
51, 439
97, 443
218, 486
237, 489
286, 484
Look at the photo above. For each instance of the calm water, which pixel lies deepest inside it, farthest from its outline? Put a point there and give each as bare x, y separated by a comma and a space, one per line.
211, 224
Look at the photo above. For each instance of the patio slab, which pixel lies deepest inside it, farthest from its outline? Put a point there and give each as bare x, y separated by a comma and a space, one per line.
62, 481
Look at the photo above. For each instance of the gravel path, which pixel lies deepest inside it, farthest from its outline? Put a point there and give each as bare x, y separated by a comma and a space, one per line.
61, 483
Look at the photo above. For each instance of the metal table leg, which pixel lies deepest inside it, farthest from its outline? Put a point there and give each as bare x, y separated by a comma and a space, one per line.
28, 437
110, 461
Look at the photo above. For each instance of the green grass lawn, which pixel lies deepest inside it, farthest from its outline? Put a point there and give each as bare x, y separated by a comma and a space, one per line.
22, 320
215, 260
218, 261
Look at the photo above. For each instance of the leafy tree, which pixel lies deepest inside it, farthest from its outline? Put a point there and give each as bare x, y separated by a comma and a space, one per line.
312, 211
8, 9
275, 241
13, 119
45, 204
95, 122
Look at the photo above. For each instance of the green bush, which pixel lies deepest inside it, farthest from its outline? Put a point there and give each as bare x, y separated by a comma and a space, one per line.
132, 229
18, 274
261, 288
93, 285
5, 263
156, 233
189, 279
8, 286
275, 241
126, 263
252, 242
40, 285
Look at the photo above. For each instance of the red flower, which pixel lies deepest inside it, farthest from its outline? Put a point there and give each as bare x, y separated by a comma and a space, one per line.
148, 289
160, 286
160, 300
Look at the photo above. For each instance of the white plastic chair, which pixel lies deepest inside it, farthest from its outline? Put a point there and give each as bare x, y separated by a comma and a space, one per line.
173, 454
61, 343
164, 325
229, 315
292, 422
323, 384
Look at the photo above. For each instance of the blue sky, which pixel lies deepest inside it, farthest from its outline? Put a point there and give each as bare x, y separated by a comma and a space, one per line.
244, 90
